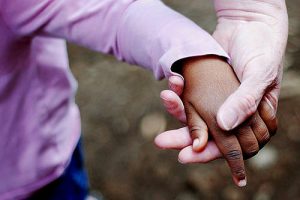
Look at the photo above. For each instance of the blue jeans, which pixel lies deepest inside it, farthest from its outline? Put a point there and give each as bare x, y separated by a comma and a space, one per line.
71, 185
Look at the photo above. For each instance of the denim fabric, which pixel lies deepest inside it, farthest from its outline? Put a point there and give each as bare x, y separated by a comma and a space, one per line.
72, 185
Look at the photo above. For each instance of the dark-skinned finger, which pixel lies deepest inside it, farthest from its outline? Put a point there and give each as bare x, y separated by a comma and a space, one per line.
266, 113
260, 130
232, 152
247, 140
197, 127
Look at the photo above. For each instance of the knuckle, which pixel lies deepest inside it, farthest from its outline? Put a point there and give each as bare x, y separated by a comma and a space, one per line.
198, 126
194, 130
233, 155
265, 138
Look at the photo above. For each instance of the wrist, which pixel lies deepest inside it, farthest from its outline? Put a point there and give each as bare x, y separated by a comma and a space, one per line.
196, 61
201, 66
250, 10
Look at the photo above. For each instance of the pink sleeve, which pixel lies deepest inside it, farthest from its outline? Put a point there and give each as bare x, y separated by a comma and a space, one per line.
142, 32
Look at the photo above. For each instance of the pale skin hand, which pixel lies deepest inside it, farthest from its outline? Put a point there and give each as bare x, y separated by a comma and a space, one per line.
254, 34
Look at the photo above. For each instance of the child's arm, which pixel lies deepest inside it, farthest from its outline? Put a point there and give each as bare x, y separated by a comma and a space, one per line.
209, 81
146, 33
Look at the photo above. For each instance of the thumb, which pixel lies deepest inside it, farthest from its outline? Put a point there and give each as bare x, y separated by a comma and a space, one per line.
241, 104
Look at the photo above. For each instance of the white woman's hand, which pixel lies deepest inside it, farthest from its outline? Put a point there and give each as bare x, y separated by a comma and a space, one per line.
254, 34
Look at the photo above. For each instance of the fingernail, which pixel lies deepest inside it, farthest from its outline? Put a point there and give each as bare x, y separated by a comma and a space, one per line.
228, 120
242, 183
174, 77
196, 143
172, 82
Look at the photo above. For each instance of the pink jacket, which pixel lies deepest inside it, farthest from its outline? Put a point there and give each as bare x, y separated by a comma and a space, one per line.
40, 122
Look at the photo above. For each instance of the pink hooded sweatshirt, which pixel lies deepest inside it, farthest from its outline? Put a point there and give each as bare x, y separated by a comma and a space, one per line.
40, 121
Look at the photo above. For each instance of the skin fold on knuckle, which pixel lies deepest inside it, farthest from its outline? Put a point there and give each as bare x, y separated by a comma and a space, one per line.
261, 128
266, 111
233, 155
265, 138
248, 142
195, 130
262, 132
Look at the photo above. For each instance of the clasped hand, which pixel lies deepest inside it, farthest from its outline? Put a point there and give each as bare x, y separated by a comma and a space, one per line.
240, 118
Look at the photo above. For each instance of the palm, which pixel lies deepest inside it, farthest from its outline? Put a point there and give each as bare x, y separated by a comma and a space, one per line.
247, 43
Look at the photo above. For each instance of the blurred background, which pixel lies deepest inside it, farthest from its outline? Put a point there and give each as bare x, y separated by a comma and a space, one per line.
122, 113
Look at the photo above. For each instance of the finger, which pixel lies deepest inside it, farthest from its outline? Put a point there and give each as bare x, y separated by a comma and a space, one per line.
260, 130
197, 127
180, 139
210, 153
267, 112
241, 104
176, 84
247, 140
229, 146
174, 139
173, 105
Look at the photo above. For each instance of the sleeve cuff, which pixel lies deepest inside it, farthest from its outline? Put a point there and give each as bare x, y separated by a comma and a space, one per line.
191, 49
